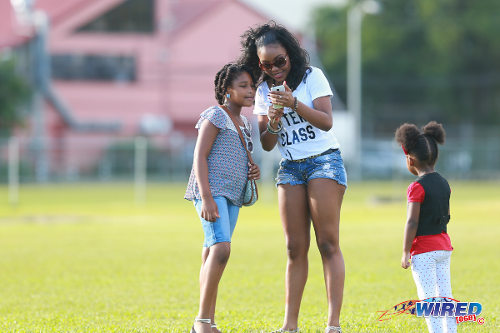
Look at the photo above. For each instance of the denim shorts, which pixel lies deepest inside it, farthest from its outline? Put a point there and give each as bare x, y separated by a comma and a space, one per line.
329, 166
222, 229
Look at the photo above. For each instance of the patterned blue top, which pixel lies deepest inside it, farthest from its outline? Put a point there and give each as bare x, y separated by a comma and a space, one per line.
227, 161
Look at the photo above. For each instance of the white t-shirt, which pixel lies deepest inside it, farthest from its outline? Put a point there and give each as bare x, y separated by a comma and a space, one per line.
298, 138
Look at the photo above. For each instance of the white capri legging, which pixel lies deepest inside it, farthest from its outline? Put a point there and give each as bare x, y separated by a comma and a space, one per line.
431, 272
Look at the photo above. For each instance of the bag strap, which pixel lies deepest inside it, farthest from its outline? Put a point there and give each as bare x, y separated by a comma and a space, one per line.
238, 129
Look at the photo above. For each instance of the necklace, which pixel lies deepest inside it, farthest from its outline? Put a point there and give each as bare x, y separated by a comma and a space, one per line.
239, 117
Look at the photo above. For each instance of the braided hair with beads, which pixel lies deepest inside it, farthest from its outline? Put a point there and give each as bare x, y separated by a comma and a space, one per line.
225, 77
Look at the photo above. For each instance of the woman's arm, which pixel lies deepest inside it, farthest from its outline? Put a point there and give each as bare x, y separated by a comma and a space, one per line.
322, 119
267, 139
206, 138
413, 215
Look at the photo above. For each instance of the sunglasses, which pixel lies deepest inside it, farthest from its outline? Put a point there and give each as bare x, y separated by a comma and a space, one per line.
279, 62
248, 139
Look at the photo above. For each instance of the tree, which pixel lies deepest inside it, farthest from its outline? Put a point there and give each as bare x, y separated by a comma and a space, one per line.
422, 59
13, 92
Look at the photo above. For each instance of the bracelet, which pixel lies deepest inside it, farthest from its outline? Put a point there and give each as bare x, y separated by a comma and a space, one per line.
272, 130
295, 104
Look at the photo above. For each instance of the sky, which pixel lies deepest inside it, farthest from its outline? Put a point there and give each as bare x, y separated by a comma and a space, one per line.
294, 14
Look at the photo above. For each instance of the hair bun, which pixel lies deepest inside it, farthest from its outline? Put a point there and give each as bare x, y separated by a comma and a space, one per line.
435, 130
407, 136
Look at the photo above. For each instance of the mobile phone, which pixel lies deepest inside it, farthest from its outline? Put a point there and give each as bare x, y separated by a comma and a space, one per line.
278, 88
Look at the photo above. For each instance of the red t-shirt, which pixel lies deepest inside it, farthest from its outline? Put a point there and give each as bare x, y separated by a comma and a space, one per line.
427, 243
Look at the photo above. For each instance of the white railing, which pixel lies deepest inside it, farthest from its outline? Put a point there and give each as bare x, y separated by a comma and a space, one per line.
141, 160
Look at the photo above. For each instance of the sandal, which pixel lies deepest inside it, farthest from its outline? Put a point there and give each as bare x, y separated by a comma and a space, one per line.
214, 325
286, 331
199, 320
329, 329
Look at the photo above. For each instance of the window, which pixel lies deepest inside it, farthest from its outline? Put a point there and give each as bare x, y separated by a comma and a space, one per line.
93, 67
131, 16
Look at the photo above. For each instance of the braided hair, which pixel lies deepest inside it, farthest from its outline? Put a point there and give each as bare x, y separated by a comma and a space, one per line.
225, 77
421, 143
272, 33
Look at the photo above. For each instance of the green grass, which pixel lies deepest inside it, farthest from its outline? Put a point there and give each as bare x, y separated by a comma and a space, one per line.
86, 258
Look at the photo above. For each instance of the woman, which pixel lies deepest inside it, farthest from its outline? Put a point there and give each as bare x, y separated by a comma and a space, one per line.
311, 178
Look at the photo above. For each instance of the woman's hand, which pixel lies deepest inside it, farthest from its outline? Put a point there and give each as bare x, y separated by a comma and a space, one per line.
209, 210
274, 116
405, 260
253, 171
284, 98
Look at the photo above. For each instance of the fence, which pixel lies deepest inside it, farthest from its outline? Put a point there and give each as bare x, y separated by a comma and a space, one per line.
169, 159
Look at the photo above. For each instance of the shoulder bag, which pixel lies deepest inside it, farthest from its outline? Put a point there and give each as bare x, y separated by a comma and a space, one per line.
251, 192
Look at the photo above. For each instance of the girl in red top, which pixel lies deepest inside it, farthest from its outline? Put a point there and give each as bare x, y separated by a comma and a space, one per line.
426, 240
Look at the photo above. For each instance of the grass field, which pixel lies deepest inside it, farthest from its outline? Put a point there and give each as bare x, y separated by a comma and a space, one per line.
86, 258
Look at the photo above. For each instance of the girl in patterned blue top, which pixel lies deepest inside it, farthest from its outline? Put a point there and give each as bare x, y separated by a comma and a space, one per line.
217, 182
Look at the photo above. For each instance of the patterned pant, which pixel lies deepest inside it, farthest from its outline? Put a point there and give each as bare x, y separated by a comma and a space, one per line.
431, 272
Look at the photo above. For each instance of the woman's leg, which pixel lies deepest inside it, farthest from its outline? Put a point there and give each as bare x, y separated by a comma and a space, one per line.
325, 199
423, 268
444, 287
296, 225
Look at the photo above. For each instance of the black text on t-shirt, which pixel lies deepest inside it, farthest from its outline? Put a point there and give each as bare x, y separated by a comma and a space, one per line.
295, 136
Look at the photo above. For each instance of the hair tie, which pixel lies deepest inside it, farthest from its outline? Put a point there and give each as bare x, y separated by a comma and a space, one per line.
404, 150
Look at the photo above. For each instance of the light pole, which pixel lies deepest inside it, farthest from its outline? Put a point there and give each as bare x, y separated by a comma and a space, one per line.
354, 94
29, 18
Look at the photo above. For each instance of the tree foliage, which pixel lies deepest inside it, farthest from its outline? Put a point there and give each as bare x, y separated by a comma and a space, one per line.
421, 59
13, 92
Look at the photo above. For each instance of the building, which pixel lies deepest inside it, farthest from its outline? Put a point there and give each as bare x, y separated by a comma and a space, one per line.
134, 61
146, 66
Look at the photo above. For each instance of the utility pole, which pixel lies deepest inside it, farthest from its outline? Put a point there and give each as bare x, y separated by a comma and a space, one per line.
29, 20
354, 79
